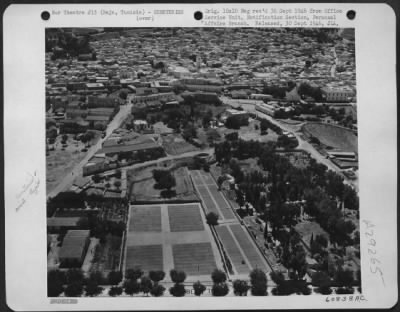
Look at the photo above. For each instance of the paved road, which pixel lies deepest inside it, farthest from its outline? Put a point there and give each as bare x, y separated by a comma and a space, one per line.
67, 181
303, 144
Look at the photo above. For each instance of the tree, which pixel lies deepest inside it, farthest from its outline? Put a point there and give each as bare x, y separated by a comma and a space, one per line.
118, 174
114, 277
344, 277
146, 285
157, 290
218, 276
115, 291
164, 179
167, 182
240, 287
156, 276
55, 282
321, 280
96, 277
74, 289
134, 274
96, 178
220, 290
64, 138
298, 261
199, 288
258, 281
189, 132
92, 288
277, 277
117, 184
212, 218
131, 287
123, 95
177, 276
322, 240
233, 123
75, 275
264, 124
178, 290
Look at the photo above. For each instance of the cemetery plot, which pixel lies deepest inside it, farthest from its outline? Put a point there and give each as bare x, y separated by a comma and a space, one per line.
232, 250
145, 219
184, 218
250, 250
212, 199
147, 257
194, 259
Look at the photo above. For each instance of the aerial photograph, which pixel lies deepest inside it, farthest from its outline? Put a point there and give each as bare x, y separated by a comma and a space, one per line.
201, 162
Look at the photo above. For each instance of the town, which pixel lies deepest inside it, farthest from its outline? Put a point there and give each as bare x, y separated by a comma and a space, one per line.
201, 162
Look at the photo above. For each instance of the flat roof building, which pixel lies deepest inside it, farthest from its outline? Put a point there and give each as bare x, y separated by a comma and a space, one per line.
74, 248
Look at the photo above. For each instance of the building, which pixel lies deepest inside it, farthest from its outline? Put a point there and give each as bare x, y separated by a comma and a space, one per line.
337, 95
239, 94
141, 125
266, 109
241, 116
165, 97
96, 164
74, 248
99, 101
266, 97
73, 126
145, 91
134, 147
56, 224
95, 87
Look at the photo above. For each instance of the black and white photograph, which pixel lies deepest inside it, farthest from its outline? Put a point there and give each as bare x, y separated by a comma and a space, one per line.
201, 162
220, 156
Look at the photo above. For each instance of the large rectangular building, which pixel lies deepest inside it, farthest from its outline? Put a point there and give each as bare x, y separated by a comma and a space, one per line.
74, 248
337, 95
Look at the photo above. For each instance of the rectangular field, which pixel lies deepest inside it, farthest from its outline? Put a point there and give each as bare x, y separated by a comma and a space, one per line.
207, 178
145, 219
248, 247
212, 199
168, 236
196, 177
184, 218
194, 259
222, 204
147, 257
232, 250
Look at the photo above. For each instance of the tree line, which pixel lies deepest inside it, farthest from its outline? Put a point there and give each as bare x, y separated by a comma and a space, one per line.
73, 283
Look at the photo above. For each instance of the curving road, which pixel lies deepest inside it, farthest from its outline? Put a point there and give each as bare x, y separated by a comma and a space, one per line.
303, 144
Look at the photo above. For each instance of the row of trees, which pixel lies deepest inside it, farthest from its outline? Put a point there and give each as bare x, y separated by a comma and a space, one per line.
73, 282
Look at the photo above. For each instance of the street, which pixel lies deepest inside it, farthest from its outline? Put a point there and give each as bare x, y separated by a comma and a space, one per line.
67, 181
303, 144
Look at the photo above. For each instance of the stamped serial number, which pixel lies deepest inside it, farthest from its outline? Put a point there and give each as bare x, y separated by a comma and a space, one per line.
374, 262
